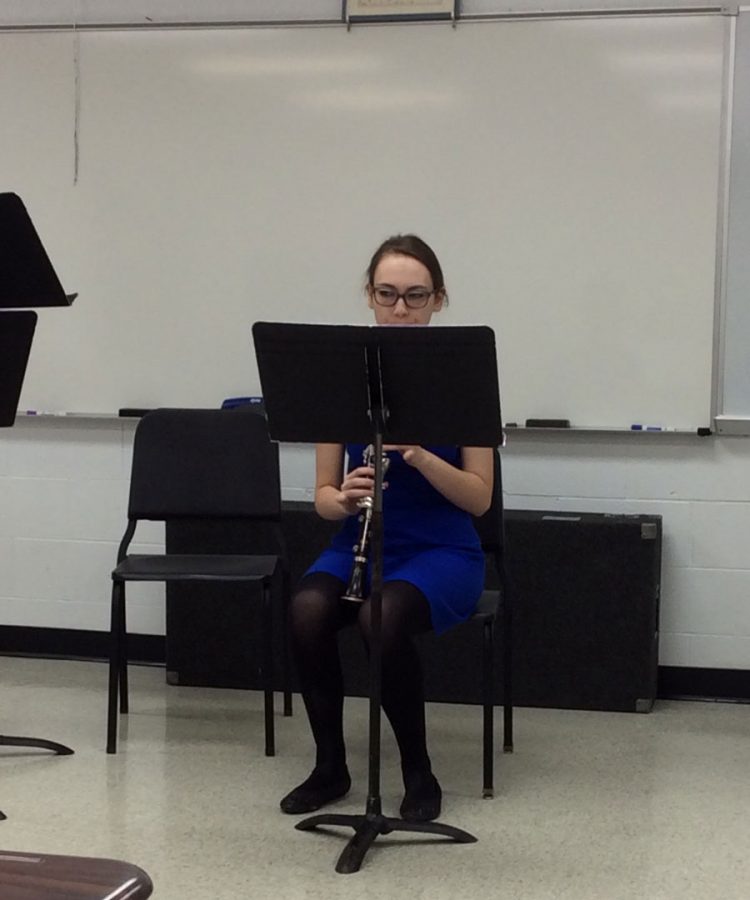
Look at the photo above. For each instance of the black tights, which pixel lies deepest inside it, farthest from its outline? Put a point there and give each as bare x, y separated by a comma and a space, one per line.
317, 614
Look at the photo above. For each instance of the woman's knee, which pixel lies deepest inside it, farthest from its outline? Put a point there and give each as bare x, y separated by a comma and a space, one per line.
315, 604
404, 612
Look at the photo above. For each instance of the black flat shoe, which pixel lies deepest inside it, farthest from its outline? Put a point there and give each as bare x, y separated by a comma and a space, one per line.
316, 791
423, 798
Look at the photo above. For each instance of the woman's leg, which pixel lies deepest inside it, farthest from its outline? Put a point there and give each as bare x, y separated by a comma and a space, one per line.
406, 612
316, 614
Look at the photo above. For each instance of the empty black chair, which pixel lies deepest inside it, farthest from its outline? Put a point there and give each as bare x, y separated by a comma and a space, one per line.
209, 464
494, 613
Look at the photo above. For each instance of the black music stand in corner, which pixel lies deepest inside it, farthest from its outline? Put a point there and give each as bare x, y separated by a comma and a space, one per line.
26, 279
360, 384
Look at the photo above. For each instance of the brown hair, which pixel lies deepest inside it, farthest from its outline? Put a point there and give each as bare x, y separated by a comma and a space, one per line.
409, 245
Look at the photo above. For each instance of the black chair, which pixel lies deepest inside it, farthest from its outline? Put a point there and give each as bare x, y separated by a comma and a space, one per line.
214, 465
494, 612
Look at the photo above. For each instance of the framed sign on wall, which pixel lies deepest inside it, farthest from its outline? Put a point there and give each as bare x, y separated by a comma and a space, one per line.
385, 10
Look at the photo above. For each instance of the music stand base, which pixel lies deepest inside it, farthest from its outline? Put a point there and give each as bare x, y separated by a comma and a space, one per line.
6, 741
41, 743
367, 827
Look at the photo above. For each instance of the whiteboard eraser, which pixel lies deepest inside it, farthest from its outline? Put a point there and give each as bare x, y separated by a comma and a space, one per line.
548, 423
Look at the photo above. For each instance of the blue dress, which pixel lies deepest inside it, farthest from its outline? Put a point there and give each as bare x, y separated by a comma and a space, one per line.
427, 541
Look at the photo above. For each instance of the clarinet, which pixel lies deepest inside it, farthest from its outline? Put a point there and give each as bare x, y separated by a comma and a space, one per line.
355, 590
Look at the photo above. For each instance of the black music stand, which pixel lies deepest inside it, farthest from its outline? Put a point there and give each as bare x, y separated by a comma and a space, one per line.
405, 385
26, 279
26, 275
16, 335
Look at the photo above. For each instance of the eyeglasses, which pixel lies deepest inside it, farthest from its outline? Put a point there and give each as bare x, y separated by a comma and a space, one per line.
414, 298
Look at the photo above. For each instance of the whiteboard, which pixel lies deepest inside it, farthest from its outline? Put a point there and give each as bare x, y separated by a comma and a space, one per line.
189, 182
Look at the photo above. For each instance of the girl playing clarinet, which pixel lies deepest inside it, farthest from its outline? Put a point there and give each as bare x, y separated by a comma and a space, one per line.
433, 565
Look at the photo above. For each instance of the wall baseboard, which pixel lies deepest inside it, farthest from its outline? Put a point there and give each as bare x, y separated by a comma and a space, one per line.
675, 682
729, 685
69, 643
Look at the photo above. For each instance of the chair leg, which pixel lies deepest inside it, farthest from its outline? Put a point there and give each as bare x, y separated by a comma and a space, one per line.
267, 670
285, 649
123, 673
115, 664
488, 701
507, 681
508, 726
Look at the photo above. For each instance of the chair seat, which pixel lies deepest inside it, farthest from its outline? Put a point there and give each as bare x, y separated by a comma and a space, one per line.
24, 876
195, 567
488, 605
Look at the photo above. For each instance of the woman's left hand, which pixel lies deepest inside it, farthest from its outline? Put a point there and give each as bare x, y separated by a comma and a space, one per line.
412, 454
468, 486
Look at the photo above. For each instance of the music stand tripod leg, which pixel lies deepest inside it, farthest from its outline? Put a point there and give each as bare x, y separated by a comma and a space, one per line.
368, 827
59, 749
41, 743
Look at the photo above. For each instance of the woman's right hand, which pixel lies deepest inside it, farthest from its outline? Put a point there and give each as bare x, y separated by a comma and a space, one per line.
357, 484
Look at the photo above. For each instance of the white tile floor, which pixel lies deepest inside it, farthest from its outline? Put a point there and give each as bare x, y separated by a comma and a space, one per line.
591, 806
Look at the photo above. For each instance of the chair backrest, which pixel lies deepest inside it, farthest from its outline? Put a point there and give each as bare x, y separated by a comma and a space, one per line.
204, 463
491, 526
